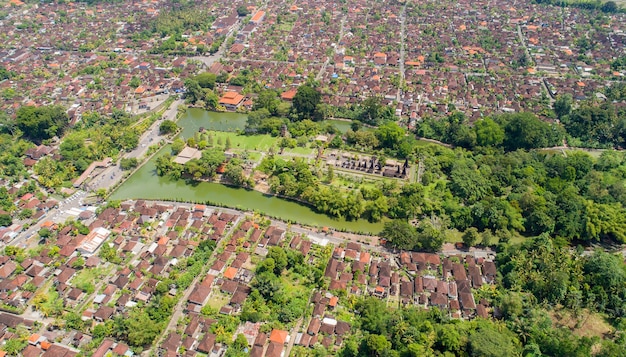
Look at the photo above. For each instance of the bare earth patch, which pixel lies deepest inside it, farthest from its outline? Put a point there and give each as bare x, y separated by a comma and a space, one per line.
584, 323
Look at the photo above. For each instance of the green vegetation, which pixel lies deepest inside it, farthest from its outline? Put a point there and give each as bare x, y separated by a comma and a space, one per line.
538, 277
604, 6
168, 127
281, 287
41, 123
128, 164
94, 138
507, 131
204, 167
305, 102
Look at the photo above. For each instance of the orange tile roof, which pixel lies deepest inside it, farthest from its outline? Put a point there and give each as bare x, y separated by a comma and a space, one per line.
230, 273
279, 336
33, 338
231, 98
288, 95
258, 16
333, 301
45, 345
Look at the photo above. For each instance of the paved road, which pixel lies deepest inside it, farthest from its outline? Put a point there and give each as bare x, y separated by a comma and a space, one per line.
111, 175
402, 50
57, 215
106, 179
180, 306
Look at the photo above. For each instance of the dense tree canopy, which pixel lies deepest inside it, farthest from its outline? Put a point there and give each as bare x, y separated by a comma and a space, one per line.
41, 123
168, 127
305, 102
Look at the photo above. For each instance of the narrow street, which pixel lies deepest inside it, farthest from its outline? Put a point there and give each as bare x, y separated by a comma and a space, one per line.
111, 175
328, 58
178, 309
402, 51
292, 336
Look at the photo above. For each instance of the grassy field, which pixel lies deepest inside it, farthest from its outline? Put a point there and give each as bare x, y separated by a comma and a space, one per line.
244, 142
217, 301
300, 151
585, 323
87, 277
254, 156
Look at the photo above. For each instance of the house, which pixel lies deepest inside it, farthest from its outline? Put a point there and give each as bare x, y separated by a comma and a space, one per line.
314, 326
103, 313
93, 241
7, 269
258, 17
289, 95
207, 343
274, 350
231, 100
199, 295
279, 336
187, 154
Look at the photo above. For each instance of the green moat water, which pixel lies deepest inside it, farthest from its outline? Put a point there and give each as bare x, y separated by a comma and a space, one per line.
145, 184
196, 118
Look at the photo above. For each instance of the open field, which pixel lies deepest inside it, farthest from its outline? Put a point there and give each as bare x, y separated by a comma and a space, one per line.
585, 323
244, 142
300, 151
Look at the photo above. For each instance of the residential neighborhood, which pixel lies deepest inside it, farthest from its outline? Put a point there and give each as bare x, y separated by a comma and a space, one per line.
312, 178
114, 259
476, 56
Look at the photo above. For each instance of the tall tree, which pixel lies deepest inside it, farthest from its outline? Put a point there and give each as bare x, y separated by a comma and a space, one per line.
40, 123
488, 133
399, 234
563, 105
305, 102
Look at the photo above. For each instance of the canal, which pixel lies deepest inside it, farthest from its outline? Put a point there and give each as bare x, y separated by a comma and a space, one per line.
146, 184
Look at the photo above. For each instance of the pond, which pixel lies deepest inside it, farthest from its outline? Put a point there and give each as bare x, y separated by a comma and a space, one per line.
145, 184
341, 125
196, 118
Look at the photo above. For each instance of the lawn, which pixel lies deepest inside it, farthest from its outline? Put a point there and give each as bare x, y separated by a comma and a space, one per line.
244, 142
88, 277
584, 323
299, 151
343, 181
286, 27
293, 287
254, 156
217, 301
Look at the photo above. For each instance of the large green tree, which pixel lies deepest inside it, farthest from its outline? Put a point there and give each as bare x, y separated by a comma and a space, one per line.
488, 133
305, 102
526, 131
41, 123
399, 234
